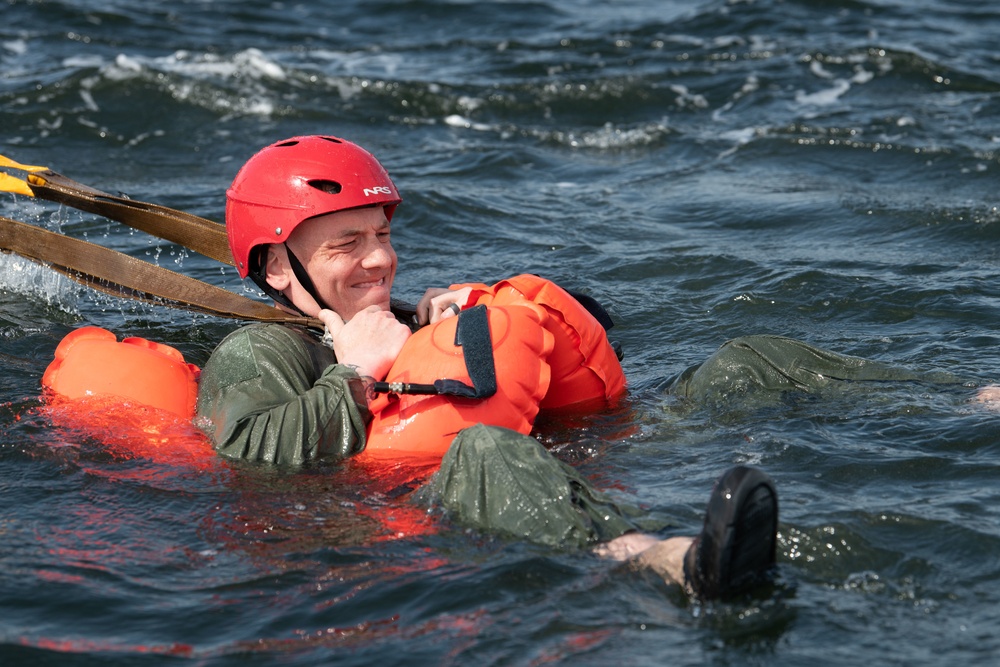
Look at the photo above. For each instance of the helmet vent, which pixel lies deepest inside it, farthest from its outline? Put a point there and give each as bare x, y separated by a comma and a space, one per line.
287, 144
333, 140
329, 187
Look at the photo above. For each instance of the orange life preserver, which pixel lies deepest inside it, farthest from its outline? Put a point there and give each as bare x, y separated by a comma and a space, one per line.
409, 425
549, 353
91, 362
584, 365
136, 396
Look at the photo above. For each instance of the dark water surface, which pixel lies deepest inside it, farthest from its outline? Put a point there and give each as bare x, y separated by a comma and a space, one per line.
824, 170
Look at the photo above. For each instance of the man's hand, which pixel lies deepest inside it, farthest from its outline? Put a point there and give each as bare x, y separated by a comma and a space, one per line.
370, 341
437, 303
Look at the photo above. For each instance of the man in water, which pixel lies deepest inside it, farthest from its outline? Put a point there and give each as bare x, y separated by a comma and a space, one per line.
308, 220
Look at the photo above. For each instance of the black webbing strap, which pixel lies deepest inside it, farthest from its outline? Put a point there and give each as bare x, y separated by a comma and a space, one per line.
472, 334
597, 311
594, 307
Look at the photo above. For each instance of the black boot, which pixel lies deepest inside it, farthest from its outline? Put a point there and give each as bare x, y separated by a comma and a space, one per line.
737, 544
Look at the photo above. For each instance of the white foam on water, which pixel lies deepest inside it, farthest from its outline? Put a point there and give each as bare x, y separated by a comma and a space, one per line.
358, 63
840, 85
816, 67
16, 46
456, 120
235, 83
251, 62
685, 98
751, 85
742, 135
610, 136
824, 97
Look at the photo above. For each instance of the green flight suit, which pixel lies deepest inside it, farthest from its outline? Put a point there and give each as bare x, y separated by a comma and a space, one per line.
500, 480
275, 393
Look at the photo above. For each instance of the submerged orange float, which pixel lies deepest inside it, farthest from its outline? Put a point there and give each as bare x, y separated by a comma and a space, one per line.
136, 396
90, 362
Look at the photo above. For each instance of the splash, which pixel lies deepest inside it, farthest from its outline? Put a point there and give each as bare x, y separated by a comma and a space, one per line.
23, 276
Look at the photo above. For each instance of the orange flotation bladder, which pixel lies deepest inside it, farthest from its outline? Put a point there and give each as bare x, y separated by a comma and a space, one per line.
136, 396
549, 353
90, 362
406, 425
584, 366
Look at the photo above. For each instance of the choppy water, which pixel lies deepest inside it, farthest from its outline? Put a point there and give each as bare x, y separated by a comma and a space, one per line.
825, 170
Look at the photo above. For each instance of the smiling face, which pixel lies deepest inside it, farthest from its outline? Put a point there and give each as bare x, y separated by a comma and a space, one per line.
347, 255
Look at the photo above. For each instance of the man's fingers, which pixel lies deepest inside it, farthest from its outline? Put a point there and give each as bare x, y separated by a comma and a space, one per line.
427, 308
448, 304
334, 323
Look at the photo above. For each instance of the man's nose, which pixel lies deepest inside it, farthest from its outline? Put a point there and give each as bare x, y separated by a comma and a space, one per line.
378, 254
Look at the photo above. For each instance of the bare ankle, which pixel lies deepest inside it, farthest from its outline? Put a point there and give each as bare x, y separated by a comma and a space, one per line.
626, 546
666, 558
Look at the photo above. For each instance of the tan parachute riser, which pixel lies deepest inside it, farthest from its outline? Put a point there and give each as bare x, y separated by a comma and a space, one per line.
195, 233
103, 269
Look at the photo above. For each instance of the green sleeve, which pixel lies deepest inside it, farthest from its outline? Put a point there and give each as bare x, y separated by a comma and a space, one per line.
274, 393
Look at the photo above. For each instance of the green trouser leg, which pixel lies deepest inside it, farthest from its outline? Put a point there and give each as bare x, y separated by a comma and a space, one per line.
501, 481
776, 364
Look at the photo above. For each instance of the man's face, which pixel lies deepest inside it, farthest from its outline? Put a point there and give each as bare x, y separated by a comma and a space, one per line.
348, 257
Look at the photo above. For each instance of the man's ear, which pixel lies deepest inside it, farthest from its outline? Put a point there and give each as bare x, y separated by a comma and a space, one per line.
277, 269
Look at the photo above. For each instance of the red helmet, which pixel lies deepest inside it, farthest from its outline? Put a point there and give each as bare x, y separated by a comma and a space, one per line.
297, 179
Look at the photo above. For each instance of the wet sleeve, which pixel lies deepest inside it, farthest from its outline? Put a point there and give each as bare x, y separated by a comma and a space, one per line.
264, 397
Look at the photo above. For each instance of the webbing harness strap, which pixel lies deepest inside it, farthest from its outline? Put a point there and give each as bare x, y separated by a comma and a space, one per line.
472, 334
115, 273
191, 231
119, 274
304, 280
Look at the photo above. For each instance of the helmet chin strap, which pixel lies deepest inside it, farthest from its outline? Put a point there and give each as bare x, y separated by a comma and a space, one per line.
304, 279
259, 275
